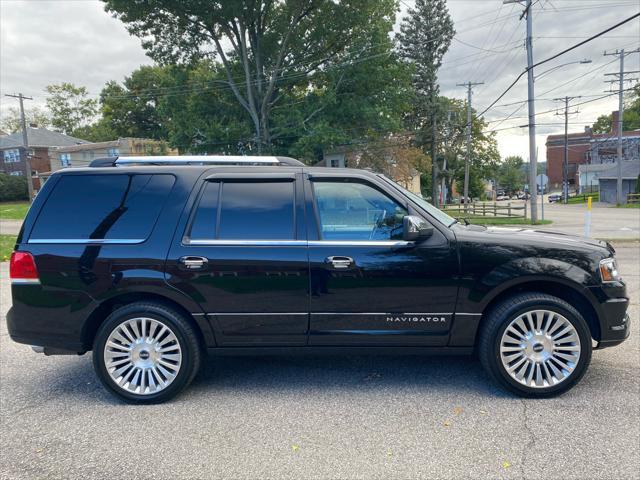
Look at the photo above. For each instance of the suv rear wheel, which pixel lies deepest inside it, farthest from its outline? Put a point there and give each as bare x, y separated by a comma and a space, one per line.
146, 353
535, 345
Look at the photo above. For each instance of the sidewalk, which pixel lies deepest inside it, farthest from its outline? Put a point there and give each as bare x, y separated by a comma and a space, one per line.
10, 227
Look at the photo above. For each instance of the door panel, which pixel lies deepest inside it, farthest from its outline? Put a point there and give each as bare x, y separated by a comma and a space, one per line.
392, 292
254, 284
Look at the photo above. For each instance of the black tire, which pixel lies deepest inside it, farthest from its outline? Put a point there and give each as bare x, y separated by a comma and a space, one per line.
184, 332
498, 319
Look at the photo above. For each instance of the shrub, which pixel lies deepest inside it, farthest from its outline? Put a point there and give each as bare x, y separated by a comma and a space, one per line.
13, 188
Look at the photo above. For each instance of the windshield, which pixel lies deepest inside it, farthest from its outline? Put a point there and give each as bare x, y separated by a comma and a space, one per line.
433, 211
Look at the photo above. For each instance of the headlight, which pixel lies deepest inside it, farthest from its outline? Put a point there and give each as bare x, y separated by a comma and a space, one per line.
609, 270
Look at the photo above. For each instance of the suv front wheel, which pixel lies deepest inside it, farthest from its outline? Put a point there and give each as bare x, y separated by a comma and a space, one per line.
146, 353
535, 345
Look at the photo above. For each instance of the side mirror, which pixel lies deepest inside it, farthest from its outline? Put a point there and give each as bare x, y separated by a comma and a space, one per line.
415, 228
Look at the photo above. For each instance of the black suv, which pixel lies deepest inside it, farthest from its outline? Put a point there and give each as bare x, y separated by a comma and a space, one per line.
153, 261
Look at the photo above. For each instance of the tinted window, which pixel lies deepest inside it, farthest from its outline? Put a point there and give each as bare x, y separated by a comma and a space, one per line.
204, 221
248, 211
103, 207
354, 211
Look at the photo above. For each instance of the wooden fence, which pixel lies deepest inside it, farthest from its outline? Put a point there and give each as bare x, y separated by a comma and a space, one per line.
486, 209
633, 198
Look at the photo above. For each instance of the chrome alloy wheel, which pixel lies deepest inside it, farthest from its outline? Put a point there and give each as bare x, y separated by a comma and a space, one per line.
540, 348
142, 356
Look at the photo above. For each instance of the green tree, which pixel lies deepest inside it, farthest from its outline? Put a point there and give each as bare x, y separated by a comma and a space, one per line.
266, 49
630, 117
511, 176
353, 103
11, 123
70, 107
452, 147
425, 36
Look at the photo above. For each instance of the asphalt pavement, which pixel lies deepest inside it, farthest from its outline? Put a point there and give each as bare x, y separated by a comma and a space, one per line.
322, 417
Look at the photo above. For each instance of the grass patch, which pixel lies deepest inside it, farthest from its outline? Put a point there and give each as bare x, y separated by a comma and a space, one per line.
7, 242
504, 221
13, 210
595, 197
629, 205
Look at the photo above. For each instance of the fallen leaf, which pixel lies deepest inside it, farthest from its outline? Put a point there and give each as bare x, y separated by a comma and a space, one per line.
447, 424
458, 410
505, 465
295, 448
483, 412
389, 453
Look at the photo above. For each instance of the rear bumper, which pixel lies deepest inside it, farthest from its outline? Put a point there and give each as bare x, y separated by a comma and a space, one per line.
52, 345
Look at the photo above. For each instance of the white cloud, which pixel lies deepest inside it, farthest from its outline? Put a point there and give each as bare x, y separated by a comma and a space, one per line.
44, 42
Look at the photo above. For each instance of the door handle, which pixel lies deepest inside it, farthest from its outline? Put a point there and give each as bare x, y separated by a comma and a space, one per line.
340, 262
194, 263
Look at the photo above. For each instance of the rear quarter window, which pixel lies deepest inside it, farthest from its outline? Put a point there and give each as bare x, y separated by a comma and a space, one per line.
103, 207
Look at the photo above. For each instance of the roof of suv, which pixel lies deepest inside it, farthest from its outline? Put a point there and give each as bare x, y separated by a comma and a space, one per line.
184, 164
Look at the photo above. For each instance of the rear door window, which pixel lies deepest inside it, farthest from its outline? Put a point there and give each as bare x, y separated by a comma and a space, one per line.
103, 207
245, 210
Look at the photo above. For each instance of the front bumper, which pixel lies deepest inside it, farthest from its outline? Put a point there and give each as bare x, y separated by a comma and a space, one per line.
615, 322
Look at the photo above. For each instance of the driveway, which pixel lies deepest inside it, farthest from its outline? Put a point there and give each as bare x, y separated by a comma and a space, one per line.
322, 417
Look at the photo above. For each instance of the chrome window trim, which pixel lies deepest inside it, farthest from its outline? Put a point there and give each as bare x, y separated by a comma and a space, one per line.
88, 241
362, 243
312, 243
268, 243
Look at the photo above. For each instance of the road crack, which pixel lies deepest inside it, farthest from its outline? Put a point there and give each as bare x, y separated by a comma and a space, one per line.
532, 438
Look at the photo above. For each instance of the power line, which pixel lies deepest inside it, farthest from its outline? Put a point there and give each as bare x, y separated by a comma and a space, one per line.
553, 57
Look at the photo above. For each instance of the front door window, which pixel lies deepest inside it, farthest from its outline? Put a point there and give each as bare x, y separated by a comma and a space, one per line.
358, 212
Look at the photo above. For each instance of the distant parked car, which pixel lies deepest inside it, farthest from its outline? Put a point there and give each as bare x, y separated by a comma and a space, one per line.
502, 197
555, 198
523, 196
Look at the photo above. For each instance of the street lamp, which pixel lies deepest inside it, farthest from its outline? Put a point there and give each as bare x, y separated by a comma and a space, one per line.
586, 60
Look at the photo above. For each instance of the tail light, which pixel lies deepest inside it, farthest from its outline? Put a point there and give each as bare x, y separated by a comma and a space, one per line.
22, 268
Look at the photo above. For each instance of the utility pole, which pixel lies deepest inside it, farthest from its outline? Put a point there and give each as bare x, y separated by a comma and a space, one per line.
533, 161
467, 159
434, 154
621, 54
25, 143
443, 185
565, 160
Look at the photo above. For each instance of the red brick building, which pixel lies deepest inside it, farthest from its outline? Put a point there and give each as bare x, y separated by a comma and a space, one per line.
586, 147
13, 154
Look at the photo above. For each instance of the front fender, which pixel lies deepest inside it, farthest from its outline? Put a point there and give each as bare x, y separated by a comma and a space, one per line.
528, 270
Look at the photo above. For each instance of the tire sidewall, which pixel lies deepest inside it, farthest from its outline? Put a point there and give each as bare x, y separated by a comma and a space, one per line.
149, 311
572, 316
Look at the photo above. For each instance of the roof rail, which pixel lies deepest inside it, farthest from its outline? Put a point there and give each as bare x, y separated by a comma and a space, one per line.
195, 160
